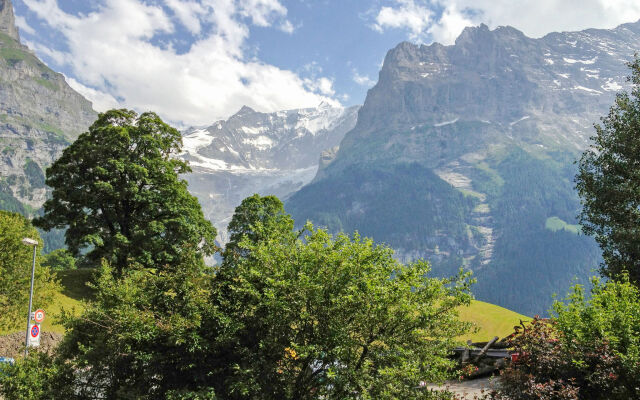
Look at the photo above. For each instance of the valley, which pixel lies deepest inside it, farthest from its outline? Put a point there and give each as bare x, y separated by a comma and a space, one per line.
461, 155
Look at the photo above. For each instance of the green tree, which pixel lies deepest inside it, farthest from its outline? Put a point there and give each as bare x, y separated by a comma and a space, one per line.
15, 272
141, 338
59, 260
38, 376
608, 182
255, 219
118, 192
336, 318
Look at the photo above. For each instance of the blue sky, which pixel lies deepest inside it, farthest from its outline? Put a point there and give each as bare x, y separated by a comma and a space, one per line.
196, 61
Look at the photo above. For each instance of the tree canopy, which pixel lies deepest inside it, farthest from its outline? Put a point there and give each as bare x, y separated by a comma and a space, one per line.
588, 350
59, 260
118, 192
289, 315
335, 318
254, 219
608, 182
142, 335
15, 271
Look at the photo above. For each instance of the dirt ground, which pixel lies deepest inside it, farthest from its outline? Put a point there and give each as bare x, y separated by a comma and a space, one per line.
12, 345
468, 389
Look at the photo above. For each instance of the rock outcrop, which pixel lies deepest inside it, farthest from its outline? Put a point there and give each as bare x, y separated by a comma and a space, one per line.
7, 20
40, 114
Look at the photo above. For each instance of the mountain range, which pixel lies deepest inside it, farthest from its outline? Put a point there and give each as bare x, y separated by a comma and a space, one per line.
464, 155
266, 153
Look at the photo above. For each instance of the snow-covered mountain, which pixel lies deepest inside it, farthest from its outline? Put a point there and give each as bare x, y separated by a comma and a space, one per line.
266, 153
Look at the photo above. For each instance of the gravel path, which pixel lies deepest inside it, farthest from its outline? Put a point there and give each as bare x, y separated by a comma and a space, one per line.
467, 389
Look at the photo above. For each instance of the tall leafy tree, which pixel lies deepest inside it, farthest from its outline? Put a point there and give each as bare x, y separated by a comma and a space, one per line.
117, 189
256, 218
59, 260
335, 318
608, 182
15, 272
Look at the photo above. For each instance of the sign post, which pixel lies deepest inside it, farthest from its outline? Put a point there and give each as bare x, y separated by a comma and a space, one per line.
30, 242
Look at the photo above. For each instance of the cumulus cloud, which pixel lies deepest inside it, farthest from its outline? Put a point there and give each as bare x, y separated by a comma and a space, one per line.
534, 17
99, 100
189, 14
407, 14
123, 55
362, 80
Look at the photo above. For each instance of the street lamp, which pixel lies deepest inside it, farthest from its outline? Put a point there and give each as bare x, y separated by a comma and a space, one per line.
34, 243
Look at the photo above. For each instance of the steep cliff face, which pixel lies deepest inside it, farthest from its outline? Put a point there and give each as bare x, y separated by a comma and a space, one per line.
39, 115
463, 155
559, 84
7, 20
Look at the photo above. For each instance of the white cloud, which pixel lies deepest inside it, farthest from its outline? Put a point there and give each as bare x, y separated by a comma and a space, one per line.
534, 17
116, 60
407, 14
362, 80
287, 27
100, 100
321, 85
23, 26
188, 12
262, 12
450, 25
58, 57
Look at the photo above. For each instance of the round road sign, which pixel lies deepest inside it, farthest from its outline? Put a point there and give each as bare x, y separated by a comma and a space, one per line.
38, 316
35, 331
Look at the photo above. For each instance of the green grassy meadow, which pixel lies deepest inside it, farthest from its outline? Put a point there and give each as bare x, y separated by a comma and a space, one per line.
73, 293
555, 224
490, 320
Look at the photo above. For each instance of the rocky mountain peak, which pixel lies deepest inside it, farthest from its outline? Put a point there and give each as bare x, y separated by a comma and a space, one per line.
7, 20
244, 111
459, 149
472, 34
481, 39
255, 152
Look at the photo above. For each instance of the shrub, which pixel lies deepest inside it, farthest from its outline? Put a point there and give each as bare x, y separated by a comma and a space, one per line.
588, 350
59, 260
35, 377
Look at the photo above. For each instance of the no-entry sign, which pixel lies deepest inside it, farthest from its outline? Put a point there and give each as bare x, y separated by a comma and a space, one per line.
38, 316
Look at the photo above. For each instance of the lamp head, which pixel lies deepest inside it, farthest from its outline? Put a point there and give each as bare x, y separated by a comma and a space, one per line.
29, 242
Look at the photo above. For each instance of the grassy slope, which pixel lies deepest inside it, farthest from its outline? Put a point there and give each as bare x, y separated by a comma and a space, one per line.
490, 319
74, 291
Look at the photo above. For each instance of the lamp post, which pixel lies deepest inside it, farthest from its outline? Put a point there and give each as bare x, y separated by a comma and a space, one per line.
34, 243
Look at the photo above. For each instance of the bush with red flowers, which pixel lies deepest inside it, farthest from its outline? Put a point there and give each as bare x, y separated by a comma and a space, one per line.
590, 349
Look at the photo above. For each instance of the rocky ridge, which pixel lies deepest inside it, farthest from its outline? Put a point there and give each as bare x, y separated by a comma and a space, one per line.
40, 114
